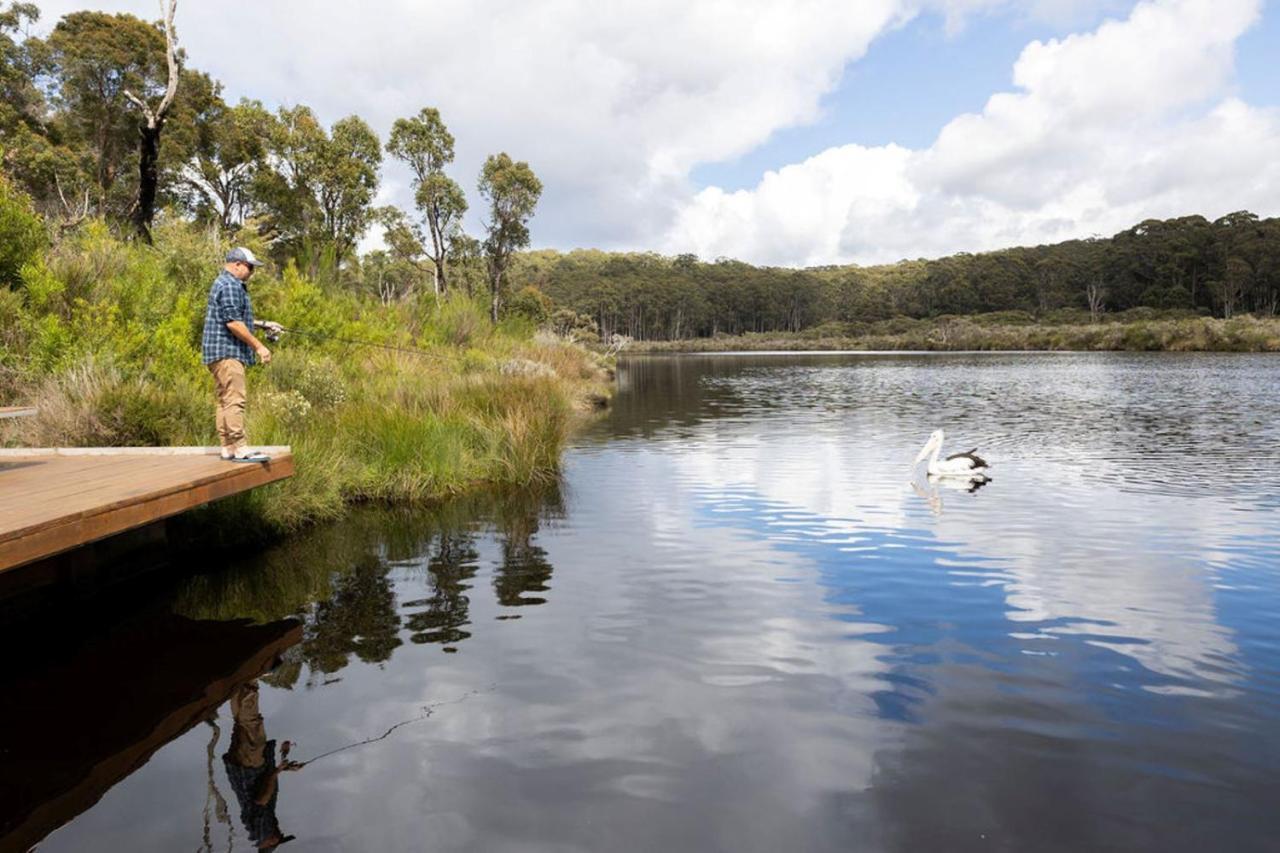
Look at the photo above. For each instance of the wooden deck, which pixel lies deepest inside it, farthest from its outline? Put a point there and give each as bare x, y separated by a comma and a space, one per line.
55, 499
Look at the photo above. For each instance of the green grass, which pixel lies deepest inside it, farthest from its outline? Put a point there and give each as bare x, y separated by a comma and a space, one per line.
105, 342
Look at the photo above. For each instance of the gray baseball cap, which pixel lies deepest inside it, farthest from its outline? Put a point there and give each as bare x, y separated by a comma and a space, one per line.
244, 256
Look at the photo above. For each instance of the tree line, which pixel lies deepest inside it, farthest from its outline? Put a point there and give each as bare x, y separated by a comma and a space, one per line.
107, 118
1223, 267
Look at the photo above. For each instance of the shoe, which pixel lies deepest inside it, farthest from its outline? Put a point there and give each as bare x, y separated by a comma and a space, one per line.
251, 456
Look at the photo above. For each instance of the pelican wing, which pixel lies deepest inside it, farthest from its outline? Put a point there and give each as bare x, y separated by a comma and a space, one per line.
975, 461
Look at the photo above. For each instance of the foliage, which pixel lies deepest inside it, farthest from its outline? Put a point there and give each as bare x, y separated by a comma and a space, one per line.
318, 186
1222, 267
1138, 329
106, 345
22, 234
511, 190
425, 144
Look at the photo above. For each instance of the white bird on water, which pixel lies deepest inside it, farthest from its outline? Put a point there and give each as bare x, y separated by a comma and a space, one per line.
966, 465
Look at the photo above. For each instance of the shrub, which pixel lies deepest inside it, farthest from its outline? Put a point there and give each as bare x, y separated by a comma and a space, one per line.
104, 338
531, 303
22, 234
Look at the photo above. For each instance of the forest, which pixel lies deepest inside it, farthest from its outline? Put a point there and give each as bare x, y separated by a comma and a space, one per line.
1183, 266
105, 119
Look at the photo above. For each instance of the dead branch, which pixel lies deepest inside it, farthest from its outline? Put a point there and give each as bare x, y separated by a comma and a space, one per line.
72, 215
156, 118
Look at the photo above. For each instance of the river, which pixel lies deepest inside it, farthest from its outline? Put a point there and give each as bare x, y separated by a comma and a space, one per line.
738, 623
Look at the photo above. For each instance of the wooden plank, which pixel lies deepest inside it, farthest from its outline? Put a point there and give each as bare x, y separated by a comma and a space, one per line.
27, 452
16, 411
59, 499
135, 481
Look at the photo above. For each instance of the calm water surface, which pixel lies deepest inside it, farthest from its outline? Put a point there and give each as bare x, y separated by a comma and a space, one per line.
735, 625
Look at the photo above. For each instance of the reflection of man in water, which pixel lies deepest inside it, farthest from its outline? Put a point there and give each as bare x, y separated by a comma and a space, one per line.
251, 767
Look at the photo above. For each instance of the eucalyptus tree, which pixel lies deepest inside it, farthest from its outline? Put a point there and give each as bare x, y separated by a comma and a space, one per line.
144, 207
405, 248
318, 185
87, 64
21, 102
425, 144
29, 153
511, 190
229, 147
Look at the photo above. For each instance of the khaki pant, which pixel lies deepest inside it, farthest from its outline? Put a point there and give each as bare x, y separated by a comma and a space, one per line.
248, 731
228, 378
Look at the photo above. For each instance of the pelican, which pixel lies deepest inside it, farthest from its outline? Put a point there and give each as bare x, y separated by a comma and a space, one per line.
968, 466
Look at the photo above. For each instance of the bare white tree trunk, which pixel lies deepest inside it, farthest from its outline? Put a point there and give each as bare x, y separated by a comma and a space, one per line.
148, 162
1096, 294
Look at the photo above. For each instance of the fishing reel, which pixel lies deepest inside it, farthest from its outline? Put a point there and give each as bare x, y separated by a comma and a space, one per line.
272, 331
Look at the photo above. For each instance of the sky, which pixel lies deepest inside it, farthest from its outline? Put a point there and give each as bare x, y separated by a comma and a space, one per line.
792, 132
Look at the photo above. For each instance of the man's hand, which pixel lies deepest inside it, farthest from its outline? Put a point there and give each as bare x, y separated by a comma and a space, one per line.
264, 355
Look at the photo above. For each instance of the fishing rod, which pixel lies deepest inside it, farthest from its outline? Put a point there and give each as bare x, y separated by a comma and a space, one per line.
359, 342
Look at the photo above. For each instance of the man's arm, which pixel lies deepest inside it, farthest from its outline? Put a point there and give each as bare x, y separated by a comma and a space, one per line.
241, 331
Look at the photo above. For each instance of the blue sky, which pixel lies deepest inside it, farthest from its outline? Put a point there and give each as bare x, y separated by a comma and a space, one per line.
793, 132
916, 78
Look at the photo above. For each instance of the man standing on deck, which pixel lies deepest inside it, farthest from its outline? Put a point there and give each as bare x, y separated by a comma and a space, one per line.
229, 347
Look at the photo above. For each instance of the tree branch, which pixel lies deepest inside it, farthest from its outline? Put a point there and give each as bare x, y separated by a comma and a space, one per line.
171, 55
154, 119
142, 105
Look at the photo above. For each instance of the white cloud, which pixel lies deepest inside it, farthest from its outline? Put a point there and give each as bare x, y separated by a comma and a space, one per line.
614, 105
958, 13
611, 104
1130, 121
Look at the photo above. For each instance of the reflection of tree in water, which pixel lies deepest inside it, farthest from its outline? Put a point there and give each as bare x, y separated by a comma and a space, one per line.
358, 618
338, 580
445, 612
525, 568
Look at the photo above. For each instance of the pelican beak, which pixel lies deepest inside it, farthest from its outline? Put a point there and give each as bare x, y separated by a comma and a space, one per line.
924, 454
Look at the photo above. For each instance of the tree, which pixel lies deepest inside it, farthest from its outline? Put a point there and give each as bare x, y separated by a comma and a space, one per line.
149, 132
1095, 292
319, 186
229, 149
21, 104
405, 251
512, 191
346, 182
425, 144
88, 63
1236, 276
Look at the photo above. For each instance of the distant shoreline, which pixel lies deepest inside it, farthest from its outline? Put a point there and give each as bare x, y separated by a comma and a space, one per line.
978, 334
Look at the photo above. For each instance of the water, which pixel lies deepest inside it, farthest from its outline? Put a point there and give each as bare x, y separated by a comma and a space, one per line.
735, 625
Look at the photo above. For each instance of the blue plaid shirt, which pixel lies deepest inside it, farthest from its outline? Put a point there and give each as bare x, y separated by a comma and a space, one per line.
259, 821
228, 301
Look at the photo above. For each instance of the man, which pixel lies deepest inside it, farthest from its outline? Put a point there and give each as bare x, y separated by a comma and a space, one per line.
251, 768
229, 347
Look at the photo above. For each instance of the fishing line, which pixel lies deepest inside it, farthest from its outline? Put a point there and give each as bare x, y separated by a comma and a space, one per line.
358, 342
427, 711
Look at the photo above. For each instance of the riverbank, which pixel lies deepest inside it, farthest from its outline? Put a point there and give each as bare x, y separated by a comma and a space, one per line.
1139, 330
103, 337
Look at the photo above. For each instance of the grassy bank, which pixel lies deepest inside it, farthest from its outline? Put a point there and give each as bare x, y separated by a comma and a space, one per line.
103, 337
1137, 330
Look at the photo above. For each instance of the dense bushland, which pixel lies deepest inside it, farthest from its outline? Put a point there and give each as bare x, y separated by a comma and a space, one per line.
103, 336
